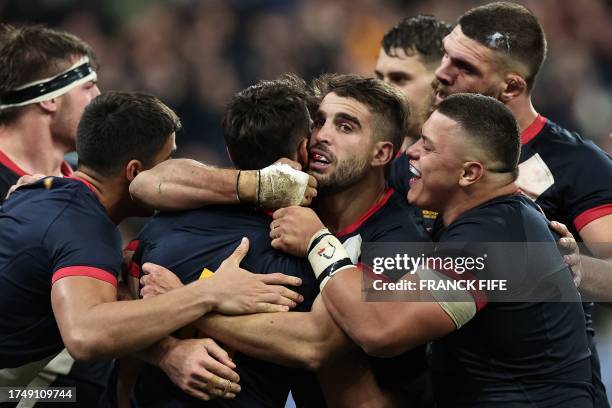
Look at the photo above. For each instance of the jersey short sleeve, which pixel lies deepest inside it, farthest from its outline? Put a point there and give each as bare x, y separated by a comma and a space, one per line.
587, 194
82, 241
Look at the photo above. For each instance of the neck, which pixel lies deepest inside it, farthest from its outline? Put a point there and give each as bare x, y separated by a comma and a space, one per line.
111, 192
29, 143
467, 199
523, 111
340, 209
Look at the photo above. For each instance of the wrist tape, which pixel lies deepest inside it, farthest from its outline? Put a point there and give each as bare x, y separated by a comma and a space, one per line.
327, 256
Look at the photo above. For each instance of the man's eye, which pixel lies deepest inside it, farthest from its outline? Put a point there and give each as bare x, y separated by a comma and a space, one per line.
344, 127
318, 123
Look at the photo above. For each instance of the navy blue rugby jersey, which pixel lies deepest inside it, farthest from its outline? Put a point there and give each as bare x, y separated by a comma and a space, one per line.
517, 354
570, 179
186, 243
48, 230
391, 219
567, 176
10, 173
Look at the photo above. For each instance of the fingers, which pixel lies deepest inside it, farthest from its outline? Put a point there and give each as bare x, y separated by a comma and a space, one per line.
279, 279
569, 244
312, 182
239, 253
561, 229
279, 213
221, 371
289, 294
221, 355
311, 192
263, 307
220, 387
148, 268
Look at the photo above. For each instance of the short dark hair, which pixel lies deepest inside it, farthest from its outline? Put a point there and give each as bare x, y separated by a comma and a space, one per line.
510, 29
117, 127
389, 105
421, 35
31, 53
267, 121
490, 124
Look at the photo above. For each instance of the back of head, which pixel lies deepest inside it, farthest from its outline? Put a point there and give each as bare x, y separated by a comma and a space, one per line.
267, 121
420, 35
117, 127
512, 30
489, 127
32, 53
387, 104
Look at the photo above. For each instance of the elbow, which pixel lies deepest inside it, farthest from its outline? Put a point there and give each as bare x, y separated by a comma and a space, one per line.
311, 361
84, 346
378, 342
137, 187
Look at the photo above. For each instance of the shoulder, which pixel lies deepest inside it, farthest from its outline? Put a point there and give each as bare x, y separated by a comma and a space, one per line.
399, 219
567, 145
500, 219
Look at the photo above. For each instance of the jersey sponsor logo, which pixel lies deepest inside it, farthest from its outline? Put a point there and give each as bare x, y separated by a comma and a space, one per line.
431, 215
534, 177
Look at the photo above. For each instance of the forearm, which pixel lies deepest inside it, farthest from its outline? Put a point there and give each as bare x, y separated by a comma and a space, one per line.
384, 327
596, 280
155, 353
113, 329
293, 339
181, 184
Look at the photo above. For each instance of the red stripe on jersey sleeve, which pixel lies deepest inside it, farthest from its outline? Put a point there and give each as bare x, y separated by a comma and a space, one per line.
591, 215
88, 271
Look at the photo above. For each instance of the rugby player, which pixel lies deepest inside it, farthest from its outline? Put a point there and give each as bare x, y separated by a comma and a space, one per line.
498, 354
409, 55
46, 80
497, 50
262, 124
60, 251
357, 125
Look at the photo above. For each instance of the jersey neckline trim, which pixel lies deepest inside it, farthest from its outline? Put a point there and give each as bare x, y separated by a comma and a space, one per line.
533, 129
371, 211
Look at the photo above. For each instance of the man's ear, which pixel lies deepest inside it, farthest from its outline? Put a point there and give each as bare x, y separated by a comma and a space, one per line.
132, 169
302, 153
514, 86
49, 106
382, 153
472, 172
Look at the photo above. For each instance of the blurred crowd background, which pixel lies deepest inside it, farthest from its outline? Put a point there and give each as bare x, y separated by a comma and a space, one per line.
195, 55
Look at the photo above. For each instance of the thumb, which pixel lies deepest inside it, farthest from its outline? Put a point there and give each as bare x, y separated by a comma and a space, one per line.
149, 267
240, 252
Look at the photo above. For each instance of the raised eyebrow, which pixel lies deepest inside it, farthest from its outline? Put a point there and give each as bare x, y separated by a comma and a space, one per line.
350, 118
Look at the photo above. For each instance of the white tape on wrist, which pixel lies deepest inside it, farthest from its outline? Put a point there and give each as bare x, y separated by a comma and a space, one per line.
281, 186
327, 256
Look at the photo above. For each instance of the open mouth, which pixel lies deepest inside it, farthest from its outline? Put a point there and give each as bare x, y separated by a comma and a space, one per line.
416, 174
318, 160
